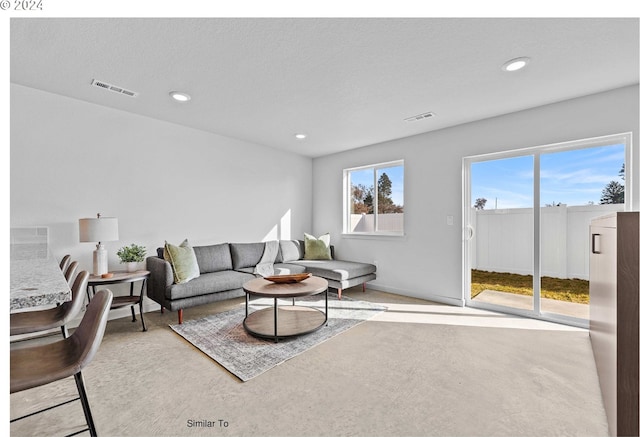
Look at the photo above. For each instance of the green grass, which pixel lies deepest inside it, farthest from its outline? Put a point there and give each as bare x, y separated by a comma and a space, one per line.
568, 290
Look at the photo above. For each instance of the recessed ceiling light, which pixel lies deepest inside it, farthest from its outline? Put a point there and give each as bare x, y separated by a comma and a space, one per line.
301, 136
179, 96
515, 64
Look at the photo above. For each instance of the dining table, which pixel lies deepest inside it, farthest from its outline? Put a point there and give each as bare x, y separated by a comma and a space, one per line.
35, 278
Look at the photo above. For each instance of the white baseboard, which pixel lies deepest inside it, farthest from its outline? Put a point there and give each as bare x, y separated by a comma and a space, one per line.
409, 293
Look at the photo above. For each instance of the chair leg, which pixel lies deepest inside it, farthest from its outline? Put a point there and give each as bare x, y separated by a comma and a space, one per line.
46, 409
65, 333
180, 317
339, 293
85, 403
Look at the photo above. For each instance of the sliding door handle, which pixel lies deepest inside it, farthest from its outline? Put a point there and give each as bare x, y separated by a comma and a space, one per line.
595, 243
469, 232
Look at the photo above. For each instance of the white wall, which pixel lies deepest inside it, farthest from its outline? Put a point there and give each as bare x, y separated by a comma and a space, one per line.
72, 159
427, 261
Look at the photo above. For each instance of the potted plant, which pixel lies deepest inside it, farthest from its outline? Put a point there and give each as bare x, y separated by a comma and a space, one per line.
132, 255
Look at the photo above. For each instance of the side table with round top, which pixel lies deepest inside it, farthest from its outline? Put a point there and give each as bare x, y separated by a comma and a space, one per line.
123, 277
280, 321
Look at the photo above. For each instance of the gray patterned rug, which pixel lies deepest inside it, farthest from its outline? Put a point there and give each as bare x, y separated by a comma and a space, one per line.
223, 338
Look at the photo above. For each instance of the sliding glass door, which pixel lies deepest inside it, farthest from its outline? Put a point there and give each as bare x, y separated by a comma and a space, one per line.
527, 214
502, 256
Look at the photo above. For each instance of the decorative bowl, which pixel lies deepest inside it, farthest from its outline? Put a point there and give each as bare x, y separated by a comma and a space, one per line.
288, 279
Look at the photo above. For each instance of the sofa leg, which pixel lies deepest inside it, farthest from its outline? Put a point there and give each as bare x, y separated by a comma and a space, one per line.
364, 287
180, 317
339, 293
161, 309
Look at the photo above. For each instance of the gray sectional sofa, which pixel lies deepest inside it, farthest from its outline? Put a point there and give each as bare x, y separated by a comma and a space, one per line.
225, 267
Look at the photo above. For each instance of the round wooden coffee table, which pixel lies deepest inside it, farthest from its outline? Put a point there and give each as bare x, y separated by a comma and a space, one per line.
279, 321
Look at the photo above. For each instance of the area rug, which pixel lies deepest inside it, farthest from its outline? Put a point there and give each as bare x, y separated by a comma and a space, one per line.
223, 338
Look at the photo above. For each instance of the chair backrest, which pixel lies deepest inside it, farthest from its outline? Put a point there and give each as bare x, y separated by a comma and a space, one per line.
72, 307
88, 335
64, 263
71, 270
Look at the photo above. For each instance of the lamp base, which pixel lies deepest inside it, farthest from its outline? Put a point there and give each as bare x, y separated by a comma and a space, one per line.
100, 260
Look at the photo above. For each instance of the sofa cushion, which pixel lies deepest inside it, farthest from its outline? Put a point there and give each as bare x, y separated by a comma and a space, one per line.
246, 254
208, 283
214, 258
290, 250
183, 261
336, 270
317, 248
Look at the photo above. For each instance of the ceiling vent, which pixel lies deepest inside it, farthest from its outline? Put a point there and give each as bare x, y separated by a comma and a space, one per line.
115, 89
420, 116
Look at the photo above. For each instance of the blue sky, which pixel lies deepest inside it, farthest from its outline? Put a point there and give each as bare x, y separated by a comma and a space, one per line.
396, 174
573, 177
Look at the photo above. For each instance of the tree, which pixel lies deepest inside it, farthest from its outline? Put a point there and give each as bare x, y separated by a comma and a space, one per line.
612, 193
384, 194
385, 202
362, 199
480, 203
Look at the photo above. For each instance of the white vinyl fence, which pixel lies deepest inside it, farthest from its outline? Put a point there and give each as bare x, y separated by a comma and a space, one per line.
386, 222
503, 239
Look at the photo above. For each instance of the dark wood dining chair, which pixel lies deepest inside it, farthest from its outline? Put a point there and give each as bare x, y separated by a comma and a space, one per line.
58, 317
40, 365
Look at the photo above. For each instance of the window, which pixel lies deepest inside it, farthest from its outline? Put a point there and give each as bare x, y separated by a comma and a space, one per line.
375, 199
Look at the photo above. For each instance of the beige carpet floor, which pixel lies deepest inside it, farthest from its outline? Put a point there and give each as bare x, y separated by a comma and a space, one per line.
419, 369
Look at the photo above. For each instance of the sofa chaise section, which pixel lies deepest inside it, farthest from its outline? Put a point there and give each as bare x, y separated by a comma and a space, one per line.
340, 274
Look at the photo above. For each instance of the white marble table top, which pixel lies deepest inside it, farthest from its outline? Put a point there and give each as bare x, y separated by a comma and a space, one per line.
36, 278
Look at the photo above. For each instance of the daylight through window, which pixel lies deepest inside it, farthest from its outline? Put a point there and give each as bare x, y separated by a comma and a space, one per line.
375, 199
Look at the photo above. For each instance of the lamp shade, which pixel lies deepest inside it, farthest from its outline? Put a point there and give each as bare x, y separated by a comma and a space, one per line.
98, 229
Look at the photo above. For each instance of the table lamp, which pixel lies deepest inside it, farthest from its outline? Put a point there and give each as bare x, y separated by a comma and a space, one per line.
97, 230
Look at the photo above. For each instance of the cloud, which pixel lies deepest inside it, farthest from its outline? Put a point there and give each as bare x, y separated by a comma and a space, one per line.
583, 176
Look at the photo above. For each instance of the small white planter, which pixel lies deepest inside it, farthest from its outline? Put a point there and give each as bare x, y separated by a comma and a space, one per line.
132, 266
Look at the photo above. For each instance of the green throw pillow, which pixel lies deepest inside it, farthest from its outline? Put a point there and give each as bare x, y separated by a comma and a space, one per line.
183, 261
316, 248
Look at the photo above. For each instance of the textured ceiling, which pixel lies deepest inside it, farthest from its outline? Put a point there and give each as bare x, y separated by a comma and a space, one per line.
346, 83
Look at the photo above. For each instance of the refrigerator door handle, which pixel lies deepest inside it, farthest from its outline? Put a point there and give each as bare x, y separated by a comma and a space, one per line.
595, 243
